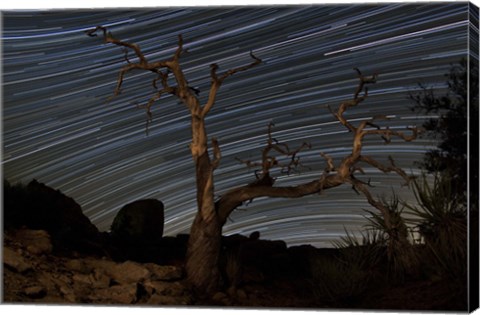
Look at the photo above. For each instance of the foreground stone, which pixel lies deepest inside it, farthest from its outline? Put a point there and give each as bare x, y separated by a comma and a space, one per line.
117, 294
38, 276
128, 272
164, 273
15, 261
35, 241
35, 292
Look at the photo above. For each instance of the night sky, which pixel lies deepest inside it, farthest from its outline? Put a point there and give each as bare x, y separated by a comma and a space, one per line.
59, 128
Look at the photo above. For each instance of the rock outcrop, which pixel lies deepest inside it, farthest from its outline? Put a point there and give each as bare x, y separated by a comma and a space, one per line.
39, 207
34, 274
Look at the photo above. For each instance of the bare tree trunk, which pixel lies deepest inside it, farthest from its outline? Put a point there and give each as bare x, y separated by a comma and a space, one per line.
206, 231
202, 255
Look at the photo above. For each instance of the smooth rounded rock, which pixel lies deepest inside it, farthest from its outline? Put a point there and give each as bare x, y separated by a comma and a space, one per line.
139, 222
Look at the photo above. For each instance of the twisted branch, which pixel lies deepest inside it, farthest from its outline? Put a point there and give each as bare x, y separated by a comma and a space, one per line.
217, 81
143, 64
108, 38
269, 161
387, 168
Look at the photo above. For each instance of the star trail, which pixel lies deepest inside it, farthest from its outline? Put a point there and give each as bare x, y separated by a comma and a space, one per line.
60, 127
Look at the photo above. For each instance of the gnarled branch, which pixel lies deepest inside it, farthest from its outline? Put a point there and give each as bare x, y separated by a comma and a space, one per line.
357, 99
270, 161
143, 63
216, 81
387, 168
108, 38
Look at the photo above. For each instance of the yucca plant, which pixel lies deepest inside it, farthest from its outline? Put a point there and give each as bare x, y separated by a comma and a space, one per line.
366, 252
442, 222
402, 258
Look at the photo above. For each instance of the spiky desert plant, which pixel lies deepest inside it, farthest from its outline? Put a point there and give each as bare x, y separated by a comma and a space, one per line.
402, 257
442, 221
365, 252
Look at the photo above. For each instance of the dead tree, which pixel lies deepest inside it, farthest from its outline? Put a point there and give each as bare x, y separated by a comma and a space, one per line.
205, 236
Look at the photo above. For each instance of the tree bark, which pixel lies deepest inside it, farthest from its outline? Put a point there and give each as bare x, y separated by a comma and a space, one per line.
206, 231
202, 255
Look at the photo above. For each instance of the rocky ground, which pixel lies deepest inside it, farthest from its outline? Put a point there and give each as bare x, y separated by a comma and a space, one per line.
33, 273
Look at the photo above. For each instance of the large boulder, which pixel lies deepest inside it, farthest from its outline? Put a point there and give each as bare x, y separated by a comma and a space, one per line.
37, 206
140, 223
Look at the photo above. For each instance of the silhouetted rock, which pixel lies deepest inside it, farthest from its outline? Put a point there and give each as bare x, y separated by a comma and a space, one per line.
139, 222
234, 240
37, 206
254, 235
